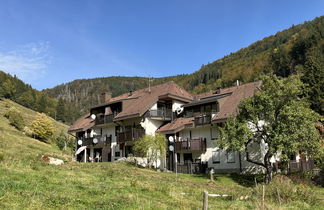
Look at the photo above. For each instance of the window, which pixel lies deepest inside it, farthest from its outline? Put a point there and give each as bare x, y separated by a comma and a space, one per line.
208, 109
117, 129
216, 156
230, 157
187, 157
117, 154
214, 133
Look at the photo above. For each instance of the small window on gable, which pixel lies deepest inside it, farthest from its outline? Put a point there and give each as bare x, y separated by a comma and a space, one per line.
216, 156
230, 157
214, 108
214, 133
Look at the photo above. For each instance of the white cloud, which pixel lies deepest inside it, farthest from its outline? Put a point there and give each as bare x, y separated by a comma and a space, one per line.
28, 62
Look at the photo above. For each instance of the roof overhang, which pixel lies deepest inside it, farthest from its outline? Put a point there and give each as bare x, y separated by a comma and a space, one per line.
207, 100
172, 96
126, 117
113, 102
221, 120
173, 131
81, 129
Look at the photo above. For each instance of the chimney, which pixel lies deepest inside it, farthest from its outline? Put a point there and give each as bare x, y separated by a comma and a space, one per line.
105, 97
217, 91
130, 93
237, 83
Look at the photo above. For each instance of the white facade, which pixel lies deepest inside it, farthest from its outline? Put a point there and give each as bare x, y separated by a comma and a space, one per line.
219, 159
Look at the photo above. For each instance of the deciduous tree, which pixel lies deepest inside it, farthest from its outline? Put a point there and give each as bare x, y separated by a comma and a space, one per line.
276, 116
151, 147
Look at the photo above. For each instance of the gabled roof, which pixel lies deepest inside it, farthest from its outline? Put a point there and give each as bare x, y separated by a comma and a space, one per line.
136, 103
82, 124
227, 98
176, 125
228, 106
142, 100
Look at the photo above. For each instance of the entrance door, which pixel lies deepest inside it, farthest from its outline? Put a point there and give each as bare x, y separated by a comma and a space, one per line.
128, 150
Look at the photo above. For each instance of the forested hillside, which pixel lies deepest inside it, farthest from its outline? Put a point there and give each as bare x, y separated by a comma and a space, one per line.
13, 88
297, 49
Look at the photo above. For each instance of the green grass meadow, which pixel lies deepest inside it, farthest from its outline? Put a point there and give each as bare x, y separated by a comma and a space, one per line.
28, 183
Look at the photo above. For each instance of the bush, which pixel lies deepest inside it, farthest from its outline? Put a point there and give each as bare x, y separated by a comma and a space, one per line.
63, 142
15, 119
283, 190
42, 128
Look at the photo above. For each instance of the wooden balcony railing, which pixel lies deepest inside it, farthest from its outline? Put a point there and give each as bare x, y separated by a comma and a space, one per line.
131, 135
190, 145
203, 120
302, 165
159, 113
103, 119
101, 141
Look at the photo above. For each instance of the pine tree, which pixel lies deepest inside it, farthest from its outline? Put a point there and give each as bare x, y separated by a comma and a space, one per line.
61, 110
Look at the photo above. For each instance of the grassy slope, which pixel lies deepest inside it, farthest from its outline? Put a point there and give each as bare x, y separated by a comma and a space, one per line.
29, 115
26, 182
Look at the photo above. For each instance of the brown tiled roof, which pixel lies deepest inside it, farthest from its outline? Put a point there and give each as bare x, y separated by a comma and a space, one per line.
141, 100
83, 123
135, 104
228, 105
175, 125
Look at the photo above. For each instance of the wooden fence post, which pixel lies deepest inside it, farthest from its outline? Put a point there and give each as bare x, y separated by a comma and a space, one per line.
205, 201
263, 196
211, 172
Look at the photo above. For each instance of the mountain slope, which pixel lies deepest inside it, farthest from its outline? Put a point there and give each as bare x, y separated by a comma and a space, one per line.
284, 53
28, 116
16, 90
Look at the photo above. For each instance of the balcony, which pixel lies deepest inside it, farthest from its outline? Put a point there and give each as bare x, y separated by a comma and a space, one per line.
103, 119
202, 120
190, 145
159, 114
102, 141
131, 135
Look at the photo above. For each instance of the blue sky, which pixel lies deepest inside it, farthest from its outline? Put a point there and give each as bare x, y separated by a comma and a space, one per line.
49, 42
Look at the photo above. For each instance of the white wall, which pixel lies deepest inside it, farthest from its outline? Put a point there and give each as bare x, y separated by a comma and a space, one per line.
224, 166
151, 126
154, 107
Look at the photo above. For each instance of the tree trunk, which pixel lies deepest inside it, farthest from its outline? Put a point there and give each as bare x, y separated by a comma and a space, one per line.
268, 166
268, 175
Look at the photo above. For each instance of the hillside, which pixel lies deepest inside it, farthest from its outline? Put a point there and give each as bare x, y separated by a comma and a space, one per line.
28, 116
16, 90
299, 48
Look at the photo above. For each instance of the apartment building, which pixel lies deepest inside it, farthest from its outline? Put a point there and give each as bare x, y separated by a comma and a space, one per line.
108, 131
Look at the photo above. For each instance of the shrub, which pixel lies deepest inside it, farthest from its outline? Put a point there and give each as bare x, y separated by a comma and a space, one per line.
283, 190
42, 128
15, 118
63, 142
